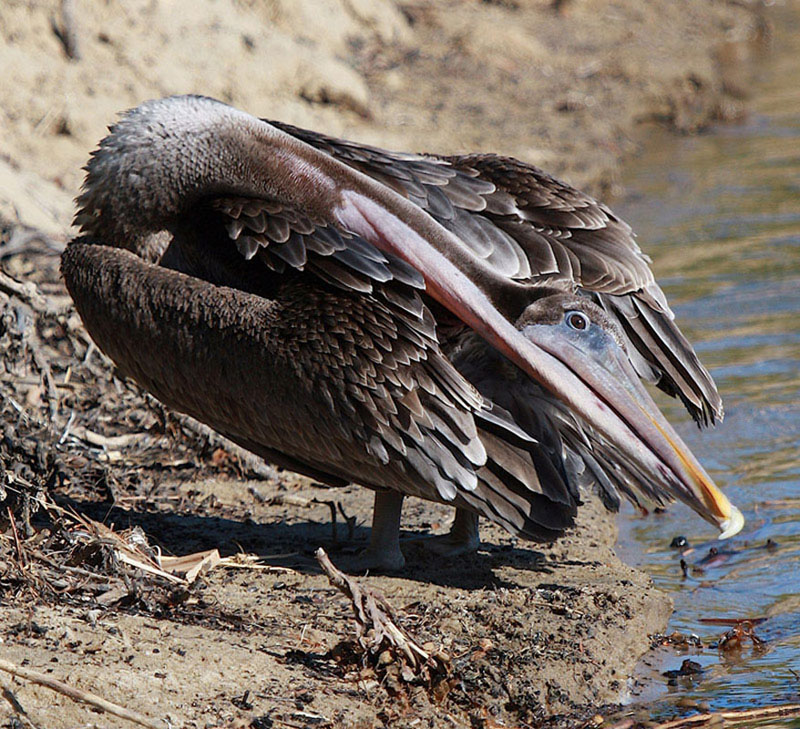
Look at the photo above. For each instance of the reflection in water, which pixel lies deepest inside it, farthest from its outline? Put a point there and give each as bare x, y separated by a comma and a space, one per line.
720, 215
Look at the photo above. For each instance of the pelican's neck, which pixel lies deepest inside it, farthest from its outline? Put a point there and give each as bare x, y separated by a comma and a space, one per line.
164, 156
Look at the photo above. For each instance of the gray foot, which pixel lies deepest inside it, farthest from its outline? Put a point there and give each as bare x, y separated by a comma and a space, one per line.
463, 537
383, 553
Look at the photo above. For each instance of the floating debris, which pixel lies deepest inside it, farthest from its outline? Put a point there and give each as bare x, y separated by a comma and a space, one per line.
677, 640
688, 668
743, 630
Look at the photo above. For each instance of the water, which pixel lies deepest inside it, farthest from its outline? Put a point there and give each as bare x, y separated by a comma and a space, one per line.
720, 215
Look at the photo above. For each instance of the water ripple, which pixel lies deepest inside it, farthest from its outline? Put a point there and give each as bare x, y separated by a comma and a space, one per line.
720, 215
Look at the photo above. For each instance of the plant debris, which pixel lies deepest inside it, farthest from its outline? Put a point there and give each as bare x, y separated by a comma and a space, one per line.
95, 701
385, 647
79, 558
743, 630
65, 444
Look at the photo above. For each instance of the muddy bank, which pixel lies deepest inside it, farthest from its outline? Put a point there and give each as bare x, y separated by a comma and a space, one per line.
531, 631
560, 84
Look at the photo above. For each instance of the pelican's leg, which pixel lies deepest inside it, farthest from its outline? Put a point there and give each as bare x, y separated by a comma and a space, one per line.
383, 552
464, 532
463, 537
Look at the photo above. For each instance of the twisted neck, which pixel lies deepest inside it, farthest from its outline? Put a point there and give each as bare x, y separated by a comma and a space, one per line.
164, 156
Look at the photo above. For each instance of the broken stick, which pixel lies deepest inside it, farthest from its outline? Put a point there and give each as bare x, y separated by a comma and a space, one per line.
78, 695
377, 627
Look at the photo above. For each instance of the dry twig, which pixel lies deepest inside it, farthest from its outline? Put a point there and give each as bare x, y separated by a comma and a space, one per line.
105, 441
20, 553
78, 694
334, 506
377, 628
733, 717
29, 293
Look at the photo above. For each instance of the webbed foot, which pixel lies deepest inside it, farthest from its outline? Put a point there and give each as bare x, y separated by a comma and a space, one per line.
384, 553
463, 537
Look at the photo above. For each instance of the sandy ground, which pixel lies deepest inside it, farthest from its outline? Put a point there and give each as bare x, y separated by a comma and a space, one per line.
563, 624
531, 632
563, 85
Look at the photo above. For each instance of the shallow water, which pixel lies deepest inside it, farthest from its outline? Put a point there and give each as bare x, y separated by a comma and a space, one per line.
720, 216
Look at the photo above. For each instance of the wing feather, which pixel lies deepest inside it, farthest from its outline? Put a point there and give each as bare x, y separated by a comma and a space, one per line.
532, 228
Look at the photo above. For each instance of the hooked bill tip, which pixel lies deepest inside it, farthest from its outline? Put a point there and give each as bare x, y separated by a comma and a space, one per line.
732, 525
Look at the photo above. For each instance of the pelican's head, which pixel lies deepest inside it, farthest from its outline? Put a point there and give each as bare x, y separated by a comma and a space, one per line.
582, 337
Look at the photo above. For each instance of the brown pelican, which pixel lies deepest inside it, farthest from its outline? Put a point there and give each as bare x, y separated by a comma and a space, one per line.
464, 329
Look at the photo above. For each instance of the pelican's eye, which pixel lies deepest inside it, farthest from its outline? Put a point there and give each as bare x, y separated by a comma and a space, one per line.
577, 320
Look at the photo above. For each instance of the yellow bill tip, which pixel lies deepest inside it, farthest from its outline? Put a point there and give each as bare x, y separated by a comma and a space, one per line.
732, 525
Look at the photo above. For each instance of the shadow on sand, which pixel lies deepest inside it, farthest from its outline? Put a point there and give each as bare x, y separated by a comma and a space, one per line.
293, 545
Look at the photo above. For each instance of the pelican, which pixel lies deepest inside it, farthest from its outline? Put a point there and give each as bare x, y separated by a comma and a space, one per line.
464, 329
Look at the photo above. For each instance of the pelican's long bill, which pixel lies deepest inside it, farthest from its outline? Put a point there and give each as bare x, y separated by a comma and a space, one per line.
605, 392
599, 364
